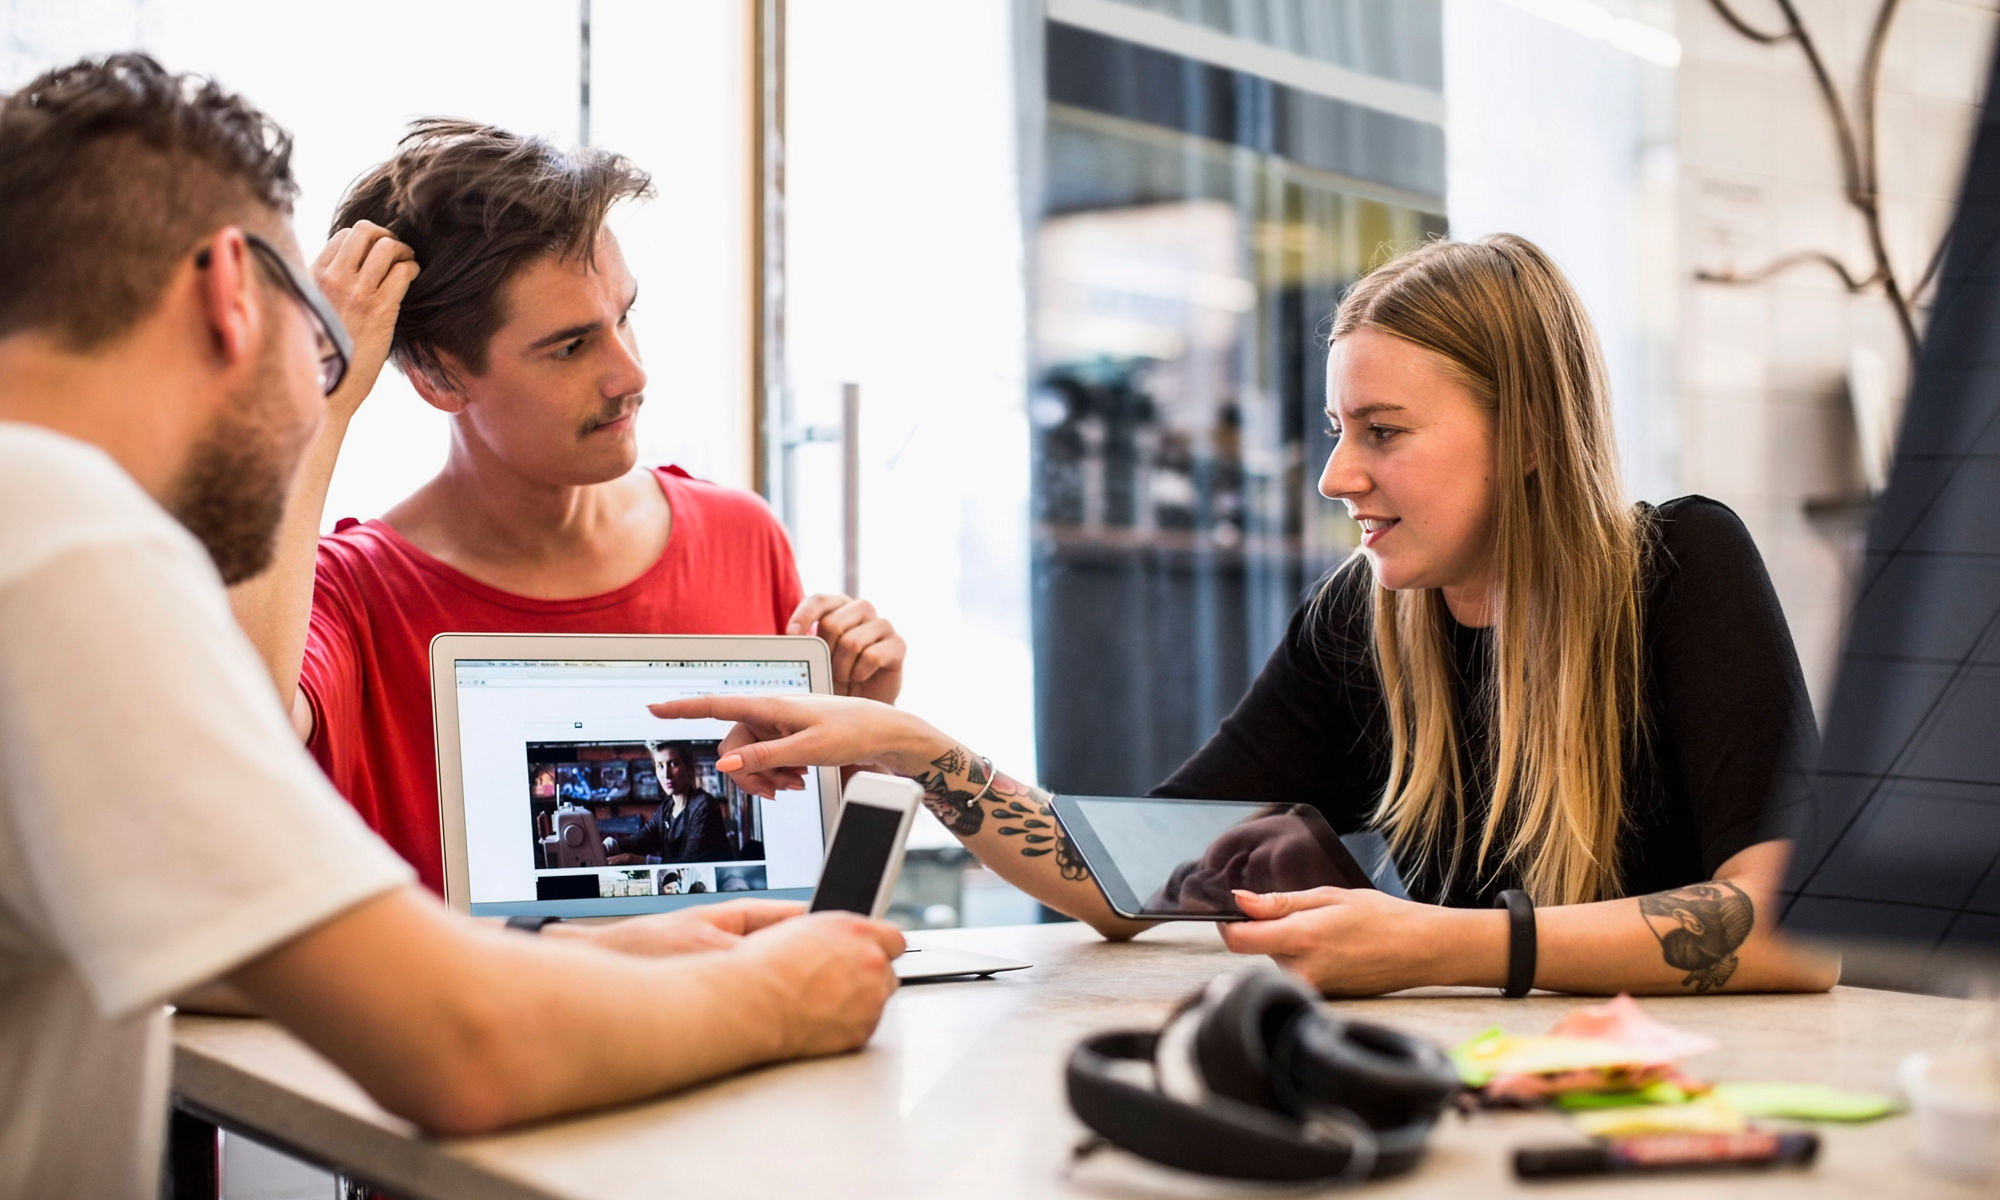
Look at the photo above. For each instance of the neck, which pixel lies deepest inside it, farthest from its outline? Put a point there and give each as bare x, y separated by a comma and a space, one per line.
503, 514
122, 400
1473, 607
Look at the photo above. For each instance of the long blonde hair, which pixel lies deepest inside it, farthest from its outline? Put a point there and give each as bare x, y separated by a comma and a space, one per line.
1562, 689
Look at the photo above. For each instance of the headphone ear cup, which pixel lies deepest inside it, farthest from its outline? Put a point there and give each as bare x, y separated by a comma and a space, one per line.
1387, 1078
1238, 1027
1213, 1137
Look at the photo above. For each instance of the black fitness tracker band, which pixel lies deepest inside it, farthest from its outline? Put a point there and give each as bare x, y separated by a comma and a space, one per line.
1520, 942
530, 924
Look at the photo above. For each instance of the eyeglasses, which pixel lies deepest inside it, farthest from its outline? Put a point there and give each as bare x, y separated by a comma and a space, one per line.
336, 349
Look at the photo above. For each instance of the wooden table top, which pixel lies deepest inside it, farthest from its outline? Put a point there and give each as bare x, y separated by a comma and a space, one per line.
960, 1094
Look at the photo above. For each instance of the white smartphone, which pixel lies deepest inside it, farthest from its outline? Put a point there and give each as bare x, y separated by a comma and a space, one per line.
866, 852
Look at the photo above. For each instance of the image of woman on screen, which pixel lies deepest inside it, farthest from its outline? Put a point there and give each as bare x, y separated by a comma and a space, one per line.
1526, 682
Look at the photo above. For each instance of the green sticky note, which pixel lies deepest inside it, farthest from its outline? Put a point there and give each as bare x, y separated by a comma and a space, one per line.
1804, 1101
1464, 1055
1653, 1093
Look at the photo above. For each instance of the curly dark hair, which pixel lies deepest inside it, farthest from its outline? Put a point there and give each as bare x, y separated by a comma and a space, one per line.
477, 204
111, 170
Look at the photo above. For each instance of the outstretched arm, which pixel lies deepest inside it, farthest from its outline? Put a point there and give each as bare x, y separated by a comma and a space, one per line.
1718, 935
364, 273
461, 1028
1007, 825
1010, 827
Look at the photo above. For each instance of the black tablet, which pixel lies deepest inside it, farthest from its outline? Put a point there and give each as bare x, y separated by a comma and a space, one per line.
1177, 860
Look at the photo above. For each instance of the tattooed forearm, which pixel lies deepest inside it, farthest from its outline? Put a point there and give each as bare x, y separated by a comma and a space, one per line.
1699, 928
1024, 812
961, 789
956, 805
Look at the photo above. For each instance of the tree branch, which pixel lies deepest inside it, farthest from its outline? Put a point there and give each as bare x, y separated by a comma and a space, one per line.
1748, 30
1787, 262
1858, 160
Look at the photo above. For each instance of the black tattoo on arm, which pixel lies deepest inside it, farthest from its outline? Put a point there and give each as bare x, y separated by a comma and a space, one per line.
957, 807
1699, 928
956, 787
1034, 822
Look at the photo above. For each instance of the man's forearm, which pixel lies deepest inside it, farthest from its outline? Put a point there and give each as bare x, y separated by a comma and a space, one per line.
697, 1016
275, 608
1713, 936
1009, 826
465, 1030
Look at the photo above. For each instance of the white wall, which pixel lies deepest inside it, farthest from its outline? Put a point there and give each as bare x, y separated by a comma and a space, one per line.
1764, 409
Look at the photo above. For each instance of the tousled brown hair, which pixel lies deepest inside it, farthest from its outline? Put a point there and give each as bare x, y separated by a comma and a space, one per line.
477, 204
1564, 686
111, 170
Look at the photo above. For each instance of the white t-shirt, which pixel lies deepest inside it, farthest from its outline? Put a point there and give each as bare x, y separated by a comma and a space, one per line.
159, 822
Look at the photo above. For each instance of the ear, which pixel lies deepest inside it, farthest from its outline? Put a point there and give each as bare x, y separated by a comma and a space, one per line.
229, 303
440, 389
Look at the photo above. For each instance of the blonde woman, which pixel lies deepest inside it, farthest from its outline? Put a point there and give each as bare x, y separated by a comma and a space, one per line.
1528, 684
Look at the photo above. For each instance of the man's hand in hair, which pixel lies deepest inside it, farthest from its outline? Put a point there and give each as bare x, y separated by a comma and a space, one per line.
364, 272
686, 931
867, 651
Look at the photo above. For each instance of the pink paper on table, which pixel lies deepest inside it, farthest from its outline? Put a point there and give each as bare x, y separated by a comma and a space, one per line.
1620, 1020
1521, 1088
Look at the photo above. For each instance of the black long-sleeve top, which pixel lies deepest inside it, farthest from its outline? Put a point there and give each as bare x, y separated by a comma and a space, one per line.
698, 834
1729, 718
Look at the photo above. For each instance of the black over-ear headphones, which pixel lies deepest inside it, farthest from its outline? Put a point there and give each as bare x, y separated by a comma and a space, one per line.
1250, 1080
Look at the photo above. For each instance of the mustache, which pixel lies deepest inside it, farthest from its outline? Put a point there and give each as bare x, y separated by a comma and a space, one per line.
619, 410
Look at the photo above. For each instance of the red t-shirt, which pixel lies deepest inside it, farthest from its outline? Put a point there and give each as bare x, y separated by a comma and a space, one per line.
378, 601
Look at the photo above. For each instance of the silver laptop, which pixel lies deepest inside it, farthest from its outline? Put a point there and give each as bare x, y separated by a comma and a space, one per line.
555, 784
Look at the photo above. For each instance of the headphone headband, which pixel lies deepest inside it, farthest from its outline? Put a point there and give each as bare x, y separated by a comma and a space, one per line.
1253, 1081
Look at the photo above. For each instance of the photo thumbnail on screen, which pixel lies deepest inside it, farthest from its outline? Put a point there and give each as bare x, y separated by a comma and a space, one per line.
635, 803
748, 877
624, 883
686, 881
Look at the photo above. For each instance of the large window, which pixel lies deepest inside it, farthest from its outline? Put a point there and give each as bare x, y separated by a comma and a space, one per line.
666, 88
1212, 178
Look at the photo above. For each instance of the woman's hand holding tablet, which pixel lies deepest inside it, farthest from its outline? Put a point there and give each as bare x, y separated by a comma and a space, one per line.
1161, 859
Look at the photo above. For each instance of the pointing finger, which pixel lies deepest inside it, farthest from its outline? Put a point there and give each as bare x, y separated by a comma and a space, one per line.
793, 751
719, 708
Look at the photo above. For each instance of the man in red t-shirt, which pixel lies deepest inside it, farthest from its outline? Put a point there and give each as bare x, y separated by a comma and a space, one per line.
479, 260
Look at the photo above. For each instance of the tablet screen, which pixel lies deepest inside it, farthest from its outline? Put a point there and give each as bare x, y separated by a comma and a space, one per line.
1181, 858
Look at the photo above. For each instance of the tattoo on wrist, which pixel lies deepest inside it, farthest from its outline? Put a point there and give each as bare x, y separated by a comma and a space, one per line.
1699, 928
1028, 816
958, 808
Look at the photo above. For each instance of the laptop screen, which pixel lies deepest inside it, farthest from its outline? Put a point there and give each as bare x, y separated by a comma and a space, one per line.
579, 802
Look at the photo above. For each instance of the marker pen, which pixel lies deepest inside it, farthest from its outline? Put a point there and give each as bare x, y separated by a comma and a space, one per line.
1667, 1152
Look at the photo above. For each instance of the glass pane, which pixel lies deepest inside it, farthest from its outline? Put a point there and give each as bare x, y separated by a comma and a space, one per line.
902, 274
667, 90
1094, 522
1186, 270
